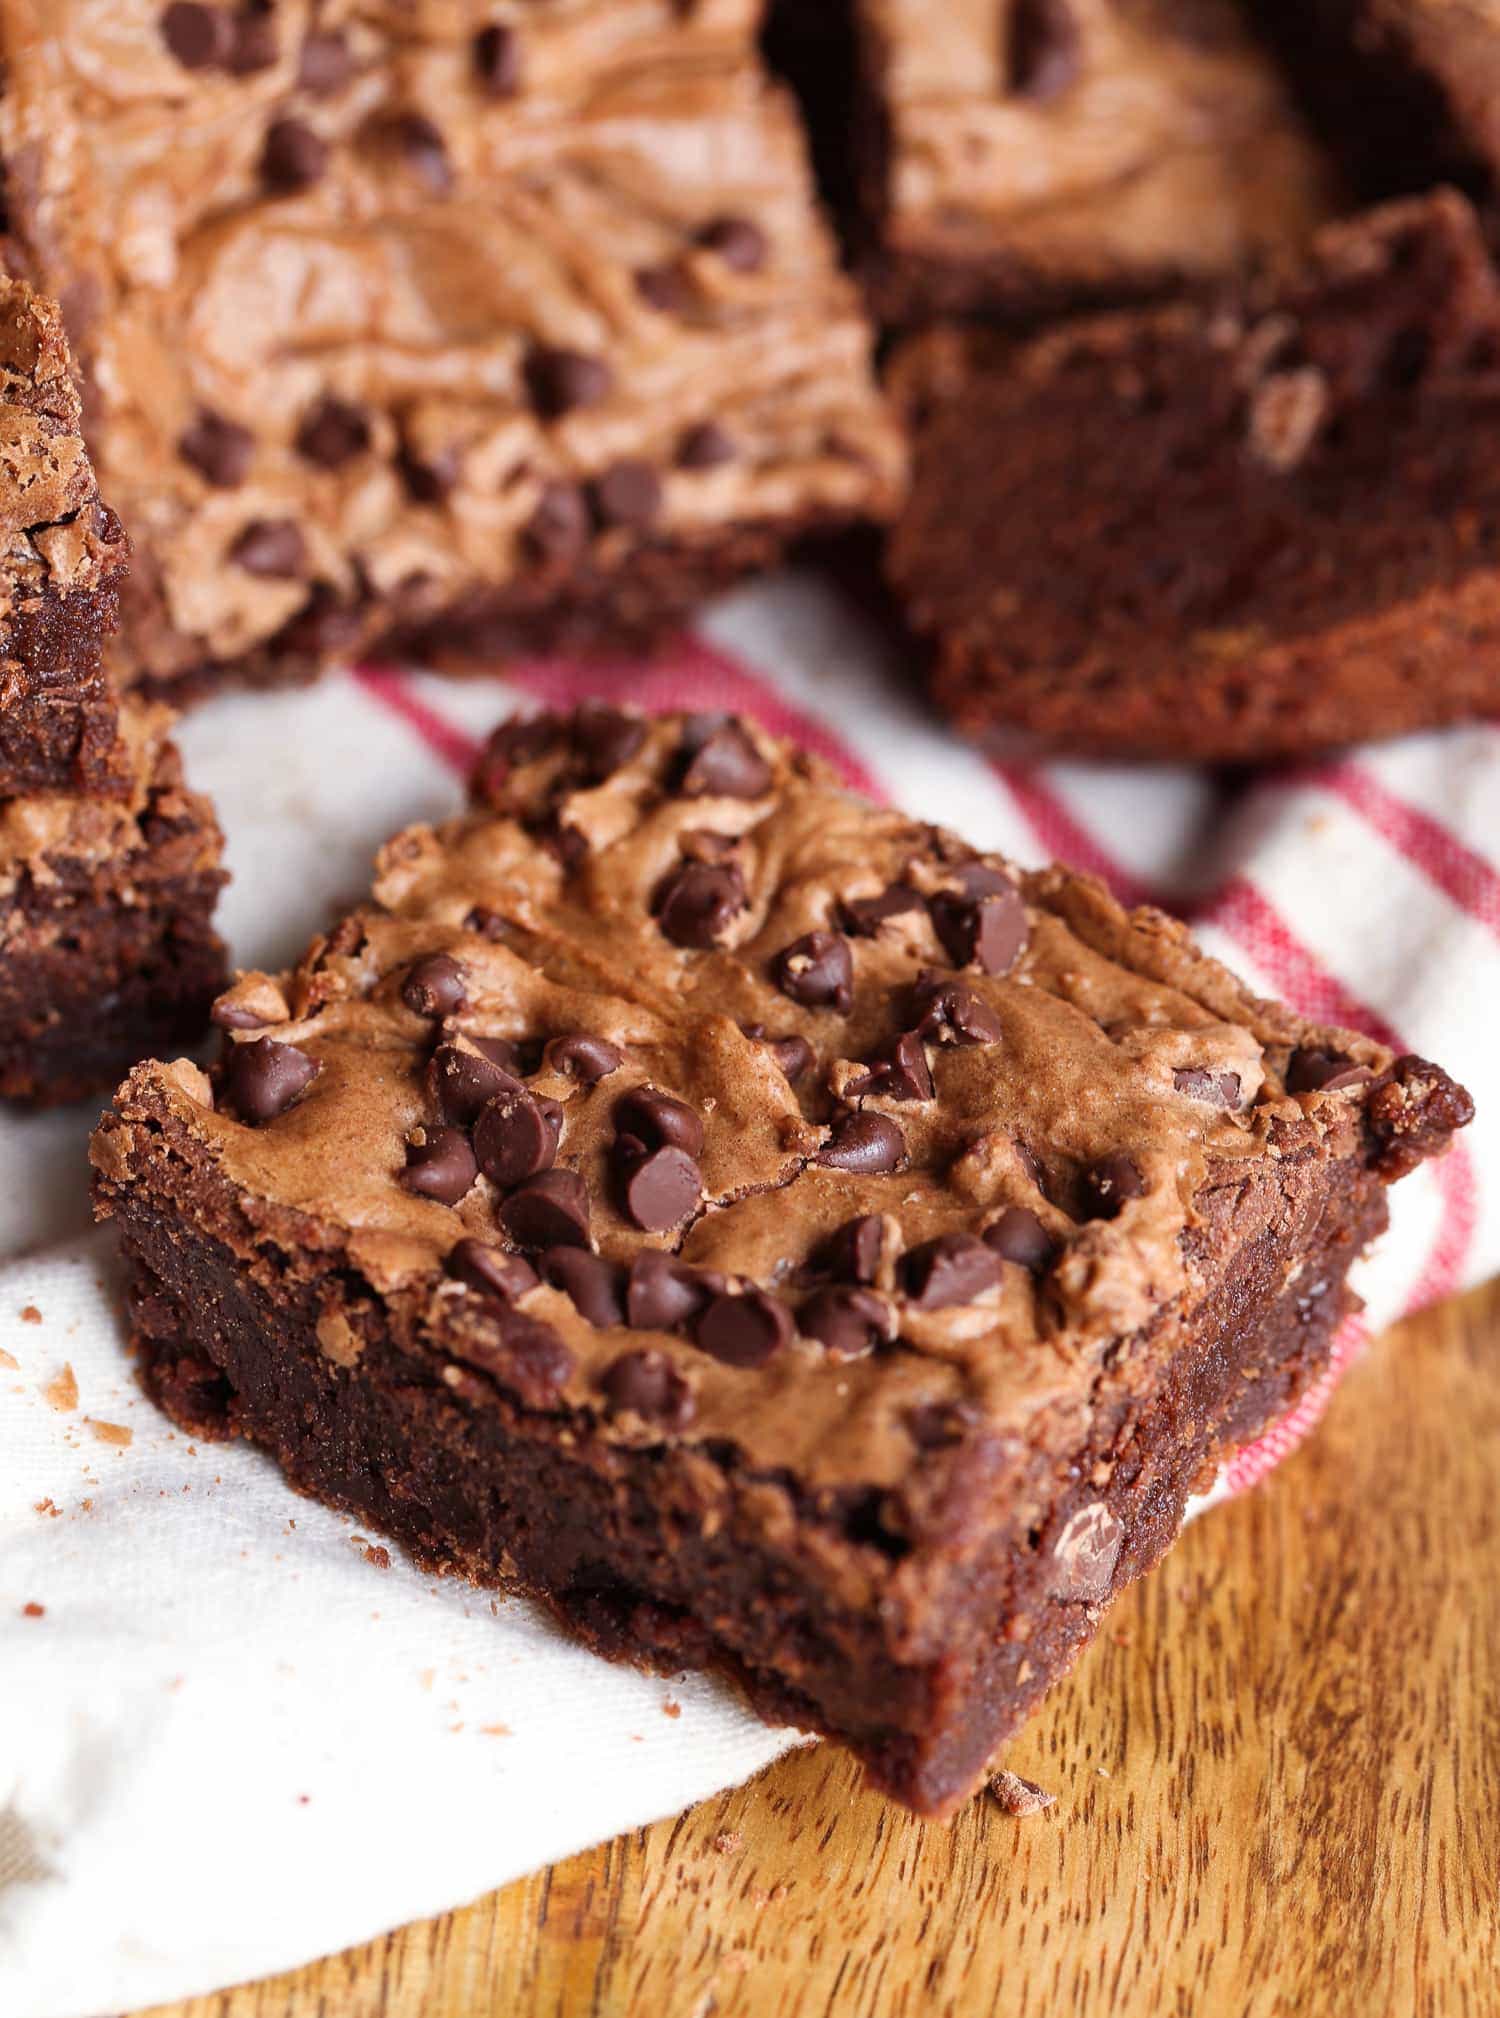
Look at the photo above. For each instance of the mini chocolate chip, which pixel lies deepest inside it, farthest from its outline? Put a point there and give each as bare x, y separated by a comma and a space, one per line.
220, 450
698, 903
227, 1015
521, 739
902, 1074
333, 432
560, 381
868, 1144
737, 241
746, 1330
605, 738
706, 447
852, 1253
648, 1385
596, 1286
864, 916
724, 764
660, 1187
512, 1139
263, 1078
794, 1055
497, 59
436, 986
551, 1210
988, 931
460, 1082
938, 1425
419, 142
816, 971
1109, 1184
198, 37
271, 548
558, 530
441, 1166
1046, 48
293, 157
1312, 1070
659, 1121
950, 1012
954, 1268
325, 64
628, 493
664, 1293
533, 1359
1019, 1236
253, 44
846, 1322
663, 288
583, 1057
1215, 1089
490, 1270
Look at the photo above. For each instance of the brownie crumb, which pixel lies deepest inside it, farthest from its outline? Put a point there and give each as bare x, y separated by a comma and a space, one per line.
61, 1392
33, 1611
1018, 1797
30, 1314
116, 1433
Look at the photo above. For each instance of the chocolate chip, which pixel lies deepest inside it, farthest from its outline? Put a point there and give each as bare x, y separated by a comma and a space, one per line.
1312, 1070
605, 738
460, 1082
868, 1144
938, 1425
441, 1165
583, 1057
558, 530
333, 432
534, 1360
512, 1139
628, 493
1046, 48
706, 447
521, 739
252, 46
490, 1270
429, 479
560, 381
746, 1330
648, 1385
659, 1187
698, 903
271, 548
950, 1012
220, 450
816, 971
902, 1074
987, 931
419, 142
664, 1294
794, 1055
596, 1286
263, 1078
663, 288
293, 157
198, 37
737, 241
954, 1268
325, 65
548, 1211
1109, 1184
436, 986
723, 764
846, 1322
1019, 1236
658, 1121
497, 60
852, 1253
977, 878
864, 916
1085, 1554
1215, 1089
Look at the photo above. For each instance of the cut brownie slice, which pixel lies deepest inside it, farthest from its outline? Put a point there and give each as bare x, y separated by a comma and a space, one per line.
1231, 532
62, 556
107, 951
437, 333
776, 1236
1030, 154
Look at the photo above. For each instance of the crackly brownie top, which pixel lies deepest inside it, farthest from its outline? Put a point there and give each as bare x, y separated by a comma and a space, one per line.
677, 1083
59, 540
1089, 137
385, 298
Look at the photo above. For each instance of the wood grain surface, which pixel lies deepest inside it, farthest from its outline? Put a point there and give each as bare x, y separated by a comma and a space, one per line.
1277, 1777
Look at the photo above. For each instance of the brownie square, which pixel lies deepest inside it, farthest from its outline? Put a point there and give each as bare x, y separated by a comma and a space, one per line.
1230, 532
412, 330
774, 1235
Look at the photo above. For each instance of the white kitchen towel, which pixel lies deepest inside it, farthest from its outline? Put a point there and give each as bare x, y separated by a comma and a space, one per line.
234, 1732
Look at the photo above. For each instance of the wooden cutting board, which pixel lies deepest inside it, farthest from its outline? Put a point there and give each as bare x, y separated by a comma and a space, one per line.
1277, 1777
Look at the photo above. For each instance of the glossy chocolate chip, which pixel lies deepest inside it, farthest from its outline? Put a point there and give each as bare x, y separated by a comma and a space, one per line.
596, 1286
902, 1074
1108, 1185
548, 1211
794, 1055
740, 243
325, 64
491, 1271
440, 1165
605, 738
263, 1078
513, 1140
987, 932
253, 44
561, 381
707, 447
723, 764
1046, 48
846, 1322
950, 1012
220, 450
954, 1268
663, 288
659, 1187
939, 1425
868, 1144
333, 432
746, 1330
429, 479
497, 60
536, 1362
852, 1253
583, 1057
659, 1121
698, 903
197, 37
520, 740
628, 493
418, 142
559, 529
436, 986
816, 972
1311, 1070
1215, 1089
293, 157
461, 1081
271, 548
664, 1294
864, 916
1019, 1236
648, 1385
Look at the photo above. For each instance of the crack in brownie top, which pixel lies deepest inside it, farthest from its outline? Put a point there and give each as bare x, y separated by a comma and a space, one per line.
711, 1096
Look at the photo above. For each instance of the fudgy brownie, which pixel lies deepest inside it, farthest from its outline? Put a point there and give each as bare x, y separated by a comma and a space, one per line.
771, 1233
412, 328
59, 572
107, 950
1231, 531
1023, 155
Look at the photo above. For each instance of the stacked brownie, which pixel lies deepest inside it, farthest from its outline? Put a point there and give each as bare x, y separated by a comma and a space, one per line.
776, 1235
108, 869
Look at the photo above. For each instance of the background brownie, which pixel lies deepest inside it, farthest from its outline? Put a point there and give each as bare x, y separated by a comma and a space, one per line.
406, 327
1224, 532
772, 1233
